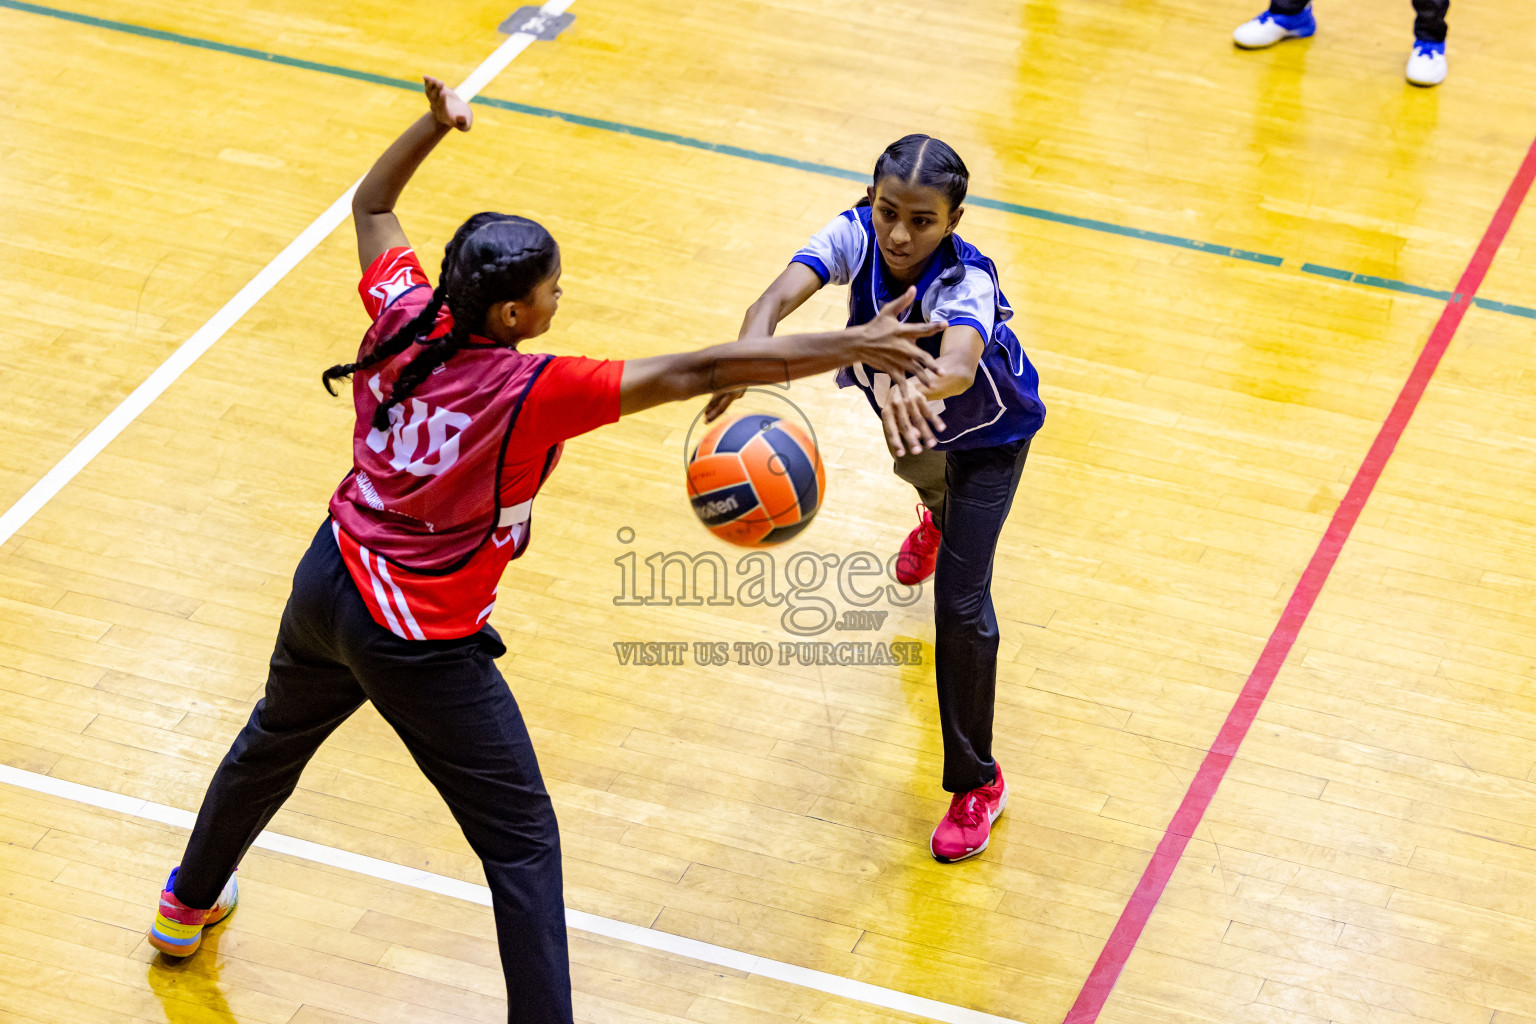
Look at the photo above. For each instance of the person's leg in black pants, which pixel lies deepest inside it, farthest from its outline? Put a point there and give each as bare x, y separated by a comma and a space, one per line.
1429, 25
309, 693
979, 492
462, 726
458, 719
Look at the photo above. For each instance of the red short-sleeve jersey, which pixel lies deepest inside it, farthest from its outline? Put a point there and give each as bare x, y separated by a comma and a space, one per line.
438, 504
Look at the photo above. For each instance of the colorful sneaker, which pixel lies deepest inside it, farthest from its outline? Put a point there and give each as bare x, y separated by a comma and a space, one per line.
1427, 65
967, 828
1268, 29
920, 551
178, 928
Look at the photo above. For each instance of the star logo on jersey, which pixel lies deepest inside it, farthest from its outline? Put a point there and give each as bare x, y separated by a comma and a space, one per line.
392, 288
514, 533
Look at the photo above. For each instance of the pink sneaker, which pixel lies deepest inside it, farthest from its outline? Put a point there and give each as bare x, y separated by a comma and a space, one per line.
178, 928
967, 828
920, 551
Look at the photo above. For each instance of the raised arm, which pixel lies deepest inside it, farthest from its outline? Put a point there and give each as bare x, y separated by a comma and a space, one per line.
886, 343
786, 294
373, 206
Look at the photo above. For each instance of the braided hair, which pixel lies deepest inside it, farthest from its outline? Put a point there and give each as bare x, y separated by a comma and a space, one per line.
492, 258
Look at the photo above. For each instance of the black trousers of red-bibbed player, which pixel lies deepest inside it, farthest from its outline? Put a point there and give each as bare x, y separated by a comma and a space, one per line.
457, 717
970, 493
1428, 25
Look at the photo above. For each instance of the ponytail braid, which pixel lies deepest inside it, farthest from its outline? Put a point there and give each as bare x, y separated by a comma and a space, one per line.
492, 258
436, 352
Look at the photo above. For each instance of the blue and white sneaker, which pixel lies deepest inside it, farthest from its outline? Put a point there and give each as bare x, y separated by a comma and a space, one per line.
1427, 65
1268, 29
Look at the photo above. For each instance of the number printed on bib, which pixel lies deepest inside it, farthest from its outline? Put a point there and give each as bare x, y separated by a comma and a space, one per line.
404, 437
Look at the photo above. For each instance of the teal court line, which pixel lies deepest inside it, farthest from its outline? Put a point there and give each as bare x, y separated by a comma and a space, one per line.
1032, 212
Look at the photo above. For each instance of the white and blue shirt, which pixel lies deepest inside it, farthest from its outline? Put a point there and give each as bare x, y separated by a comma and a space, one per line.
958, 285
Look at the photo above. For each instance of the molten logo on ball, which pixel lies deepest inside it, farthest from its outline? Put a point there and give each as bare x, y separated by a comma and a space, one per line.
756, 480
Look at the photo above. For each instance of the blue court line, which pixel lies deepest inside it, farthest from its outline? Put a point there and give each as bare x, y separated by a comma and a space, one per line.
617, 127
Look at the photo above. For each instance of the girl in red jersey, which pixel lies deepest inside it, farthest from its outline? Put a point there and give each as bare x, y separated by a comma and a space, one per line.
456, 431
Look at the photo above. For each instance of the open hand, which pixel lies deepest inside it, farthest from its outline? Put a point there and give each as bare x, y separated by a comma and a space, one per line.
909, 419
446, 105
890, 346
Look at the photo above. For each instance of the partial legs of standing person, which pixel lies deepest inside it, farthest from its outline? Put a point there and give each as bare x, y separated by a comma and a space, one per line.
981, 484
1429, 22
457, 717
1427, 65
1293, 19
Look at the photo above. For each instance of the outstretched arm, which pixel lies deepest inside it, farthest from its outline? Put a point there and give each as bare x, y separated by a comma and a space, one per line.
886, 343
373, 207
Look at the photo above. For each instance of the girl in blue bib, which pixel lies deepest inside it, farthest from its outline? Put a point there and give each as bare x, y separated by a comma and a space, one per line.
960, 437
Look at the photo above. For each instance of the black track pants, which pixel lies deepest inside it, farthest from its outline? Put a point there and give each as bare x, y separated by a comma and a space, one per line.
457, 717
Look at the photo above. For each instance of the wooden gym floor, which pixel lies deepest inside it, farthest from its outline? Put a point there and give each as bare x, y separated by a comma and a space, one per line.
1225, 266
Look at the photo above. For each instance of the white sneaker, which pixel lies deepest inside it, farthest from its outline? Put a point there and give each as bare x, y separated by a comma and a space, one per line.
1268, 29
1427, 65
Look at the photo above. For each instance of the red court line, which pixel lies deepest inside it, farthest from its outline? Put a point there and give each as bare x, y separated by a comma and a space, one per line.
1106, 971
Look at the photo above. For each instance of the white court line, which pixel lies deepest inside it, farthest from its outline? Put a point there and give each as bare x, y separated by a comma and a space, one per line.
205, 336
156, 385
415, 878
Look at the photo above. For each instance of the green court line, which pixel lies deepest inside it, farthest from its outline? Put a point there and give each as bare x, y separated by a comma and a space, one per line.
650, 133
1109, 228
204, 44
862, 177
1412, 289
617, 127
1374, 282
1504, 307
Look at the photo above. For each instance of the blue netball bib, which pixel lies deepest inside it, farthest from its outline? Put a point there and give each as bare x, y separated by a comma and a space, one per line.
959, 285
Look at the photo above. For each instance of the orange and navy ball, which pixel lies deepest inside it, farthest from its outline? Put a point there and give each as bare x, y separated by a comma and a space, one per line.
756, 480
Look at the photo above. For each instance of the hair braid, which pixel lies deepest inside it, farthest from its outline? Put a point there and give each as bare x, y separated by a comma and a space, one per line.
419, 325
492, 258
435, 353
